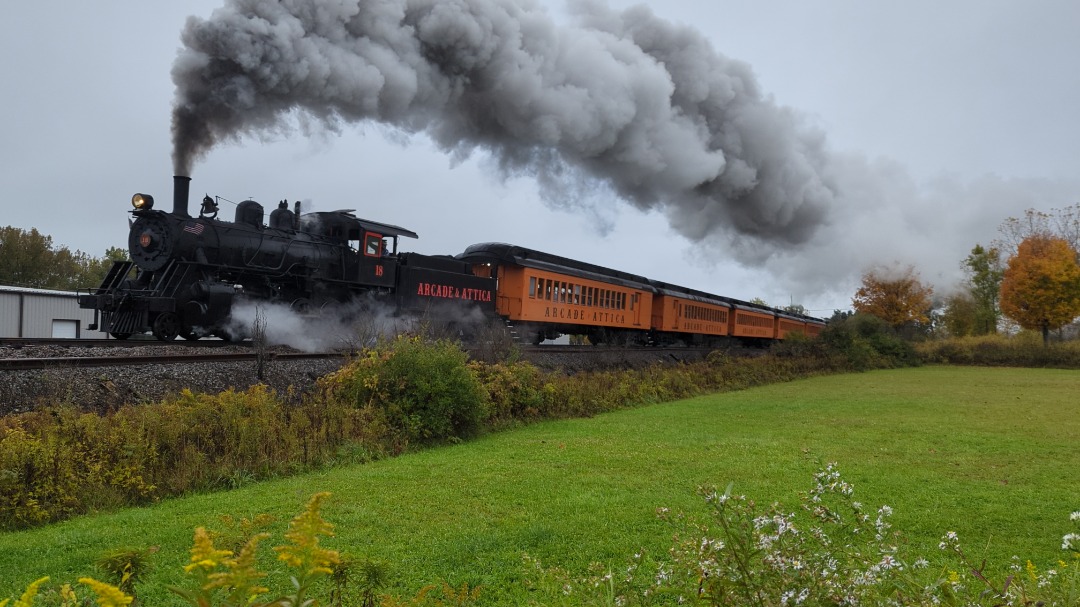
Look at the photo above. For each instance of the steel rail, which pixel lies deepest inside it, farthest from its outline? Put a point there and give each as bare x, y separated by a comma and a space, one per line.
24, 342
23, 364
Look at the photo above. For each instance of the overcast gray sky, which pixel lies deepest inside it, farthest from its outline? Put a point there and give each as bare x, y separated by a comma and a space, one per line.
940, 120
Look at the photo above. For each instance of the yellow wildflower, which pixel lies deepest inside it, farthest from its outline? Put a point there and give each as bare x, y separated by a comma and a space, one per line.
203, 554
241, 575
304, 552
27, 599
67, 595
107, 594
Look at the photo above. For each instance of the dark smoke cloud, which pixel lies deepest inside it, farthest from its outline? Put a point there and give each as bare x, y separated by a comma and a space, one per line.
617, 100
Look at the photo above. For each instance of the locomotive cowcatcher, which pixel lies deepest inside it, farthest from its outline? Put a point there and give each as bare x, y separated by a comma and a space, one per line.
186, 272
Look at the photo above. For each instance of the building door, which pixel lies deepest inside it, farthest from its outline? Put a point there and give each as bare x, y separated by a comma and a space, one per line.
65, 329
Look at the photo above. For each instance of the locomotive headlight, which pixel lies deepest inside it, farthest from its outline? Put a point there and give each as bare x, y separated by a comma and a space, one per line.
142, 202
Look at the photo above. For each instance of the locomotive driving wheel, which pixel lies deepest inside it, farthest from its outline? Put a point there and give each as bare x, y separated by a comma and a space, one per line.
166, 326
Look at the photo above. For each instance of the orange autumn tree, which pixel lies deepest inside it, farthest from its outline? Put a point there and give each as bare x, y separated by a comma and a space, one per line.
1041, 286
898, 298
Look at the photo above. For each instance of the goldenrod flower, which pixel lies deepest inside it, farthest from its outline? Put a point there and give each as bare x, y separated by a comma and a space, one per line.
304, 552
27, 599
107, 594
67, 595
241, 576
203, 554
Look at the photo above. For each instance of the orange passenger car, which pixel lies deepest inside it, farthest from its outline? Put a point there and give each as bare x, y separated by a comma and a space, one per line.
546, 295
786, 325
682, 313
814, 327
752, 322
535, 295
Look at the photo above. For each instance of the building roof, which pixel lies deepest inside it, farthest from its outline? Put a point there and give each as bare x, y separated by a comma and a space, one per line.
31, 291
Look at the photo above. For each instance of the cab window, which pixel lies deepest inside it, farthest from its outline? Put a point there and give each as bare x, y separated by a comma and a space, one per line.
373, 245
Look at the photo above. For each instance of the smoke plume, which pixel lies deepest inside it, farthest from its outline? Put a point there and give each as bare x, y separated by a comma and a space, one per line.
624, 99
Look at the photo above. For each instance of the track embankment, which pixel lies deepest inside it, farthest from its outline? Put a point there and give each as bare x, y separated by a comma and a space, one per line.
105, 378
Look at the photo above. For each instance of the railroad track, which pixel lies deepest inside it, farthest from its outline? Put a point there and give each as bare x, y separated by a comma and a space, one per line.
28, 342
23, 364
566, 349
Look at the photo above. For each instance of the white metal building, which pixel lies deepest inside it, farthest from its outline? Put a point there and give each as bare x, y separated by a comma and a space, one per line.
42, 313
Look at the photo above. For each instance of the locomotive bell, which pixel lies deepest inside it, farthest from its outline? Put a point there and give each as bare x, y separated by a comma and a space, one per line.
209, 207
142, 202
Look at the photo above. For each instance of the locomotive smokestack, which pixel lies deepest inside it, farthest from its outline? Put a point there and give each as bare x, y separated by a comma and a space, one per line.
181, 184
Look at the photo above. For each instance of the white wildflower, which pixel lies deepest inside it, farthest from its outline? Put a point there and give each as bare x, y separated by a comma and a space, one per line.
888, 562
1070, 541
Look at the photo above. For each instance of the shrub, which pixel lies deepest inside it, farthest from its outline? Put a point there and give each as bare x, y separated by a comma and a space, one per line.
59, 462
867, 342
514, 391
1024, 350
427, 391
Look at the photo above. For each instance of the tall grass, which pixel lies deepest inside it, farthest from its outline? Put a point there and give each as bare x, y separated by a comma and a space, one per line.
1024, 350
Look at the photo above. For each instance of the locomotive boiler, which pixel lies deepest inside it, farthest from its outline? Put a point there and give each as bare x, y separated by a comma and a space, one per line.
186, 272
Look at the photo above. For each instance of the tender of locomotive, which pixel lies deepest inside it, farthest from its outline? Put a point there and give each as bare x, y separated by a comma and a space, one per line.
186, 272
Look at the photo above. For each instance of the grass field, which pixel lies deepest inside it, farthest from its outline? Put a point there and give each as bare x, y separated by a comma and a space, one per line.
993, 454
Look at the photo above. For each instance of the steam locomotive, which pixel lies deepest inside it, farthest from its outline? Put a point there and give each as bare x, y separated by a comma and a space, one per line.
186, 273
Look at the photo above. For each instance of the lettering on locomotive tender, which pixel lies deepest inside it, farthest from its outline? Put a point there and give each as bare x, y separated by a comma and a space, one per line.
578, 314
427, 289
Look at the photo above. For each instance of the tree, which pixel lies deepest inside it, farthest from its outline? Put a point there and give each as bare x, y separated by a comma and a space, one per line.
899, 299
961, 312
1063, 223
28, 259
984, 272
1041, 286
795, 309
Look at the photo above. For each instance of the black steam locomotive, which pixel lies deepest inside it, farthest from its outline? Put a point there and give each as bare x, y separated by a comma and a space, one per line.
186, 272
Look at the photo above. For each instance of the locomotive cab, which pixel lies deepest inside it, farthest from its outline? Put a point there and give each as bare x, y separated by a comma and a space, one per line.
371, 256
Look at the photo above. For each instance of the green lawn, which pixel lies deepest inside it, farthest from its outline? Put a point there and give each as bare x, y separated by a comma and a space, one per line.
993, 454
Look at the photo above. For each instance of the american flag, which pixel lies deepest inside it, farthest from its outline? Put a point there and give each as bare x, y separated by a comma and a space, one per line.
194, 227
